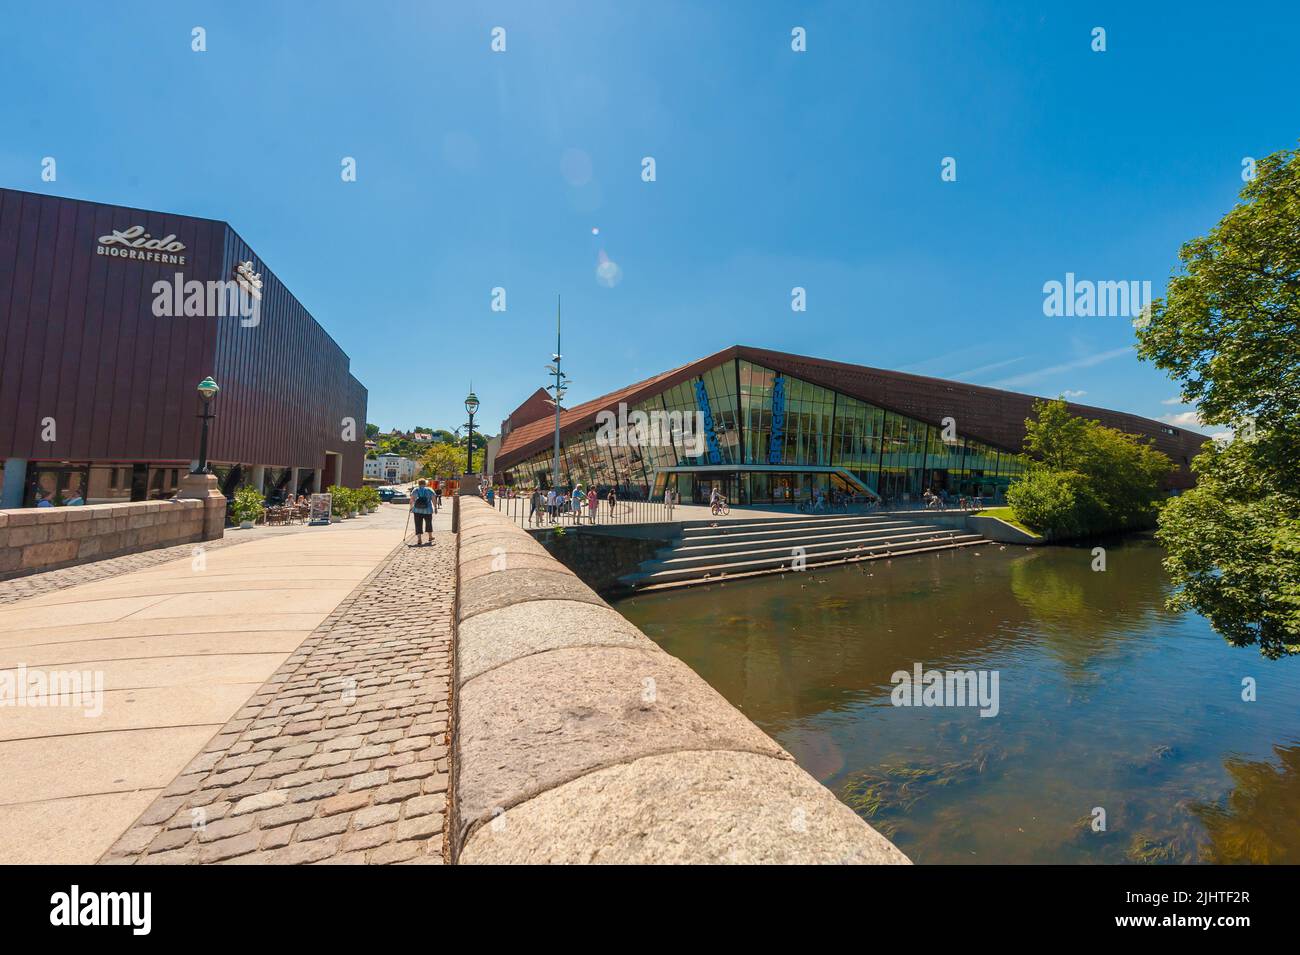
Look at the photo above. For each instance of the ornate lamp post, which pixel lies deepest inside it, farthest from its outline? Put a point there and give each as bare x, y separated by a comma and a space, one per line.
471, 406
208, 390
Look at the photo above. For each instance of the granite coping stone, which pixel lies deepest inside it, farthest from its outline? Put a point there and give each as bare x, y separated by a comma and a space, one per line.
508, 560
498, 636
684, 808
487, 546
535, 722
522, 585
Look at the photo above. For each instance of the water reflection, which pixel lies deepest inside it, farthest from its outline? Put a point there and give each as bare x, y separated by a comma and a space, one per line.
1257, 820
1107, 701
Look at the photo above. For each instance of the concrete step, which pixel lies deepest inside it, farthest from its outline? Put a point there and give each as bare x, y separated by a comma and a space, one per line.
728, 549
667, 577
795, 534
732, 526
755, 550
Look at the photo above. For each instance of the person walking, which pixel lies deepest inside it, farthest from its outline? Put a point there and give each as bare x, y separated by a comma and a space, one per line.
550, 506
437, 497
612, 497
670, 501
422, 508
534, 502
593, 503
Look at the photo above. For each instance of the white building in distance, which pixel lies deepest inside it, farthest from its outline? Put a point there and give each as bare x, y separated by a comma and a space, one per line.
391, 469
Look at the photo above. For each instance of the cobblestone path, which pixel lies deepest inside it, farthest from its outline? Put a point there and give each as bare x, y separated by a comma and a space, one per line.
342, 756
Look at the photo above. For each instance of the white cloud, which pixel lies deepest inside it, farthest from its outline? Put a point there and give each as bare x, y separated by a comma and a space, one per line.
1072, 394
1175, 400
1086, 362
971, 373
1185, 419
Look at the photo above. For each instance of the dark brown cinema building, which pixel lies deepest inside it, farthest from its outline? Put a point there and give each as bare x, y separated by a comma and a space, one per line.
99, 369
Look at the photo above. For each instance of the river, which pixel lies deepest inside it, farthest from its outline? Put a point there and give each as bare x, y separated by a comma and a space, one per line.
1121, 734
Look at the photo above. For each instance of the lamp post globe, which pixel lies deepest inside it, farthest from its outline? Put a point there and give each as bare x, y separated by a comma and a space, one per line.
207, 391
471, 406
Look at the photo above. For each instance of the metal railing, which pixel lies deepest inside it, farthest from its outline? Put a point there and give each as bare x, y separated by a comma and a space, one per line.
522, 511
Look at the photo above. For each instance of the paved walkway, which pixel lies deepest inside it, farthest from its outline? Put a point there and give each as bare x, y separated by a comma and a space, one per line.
47, 582
343, 755
178, 649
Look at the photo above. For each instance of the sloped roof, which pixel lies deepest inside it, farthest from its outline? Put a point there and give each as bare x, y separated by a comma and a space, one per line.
537, 435
986, 414
537, 405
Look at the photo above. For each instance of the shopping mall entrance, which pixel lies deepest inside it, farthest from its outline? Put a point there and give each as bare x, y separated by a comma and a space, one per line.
696, 487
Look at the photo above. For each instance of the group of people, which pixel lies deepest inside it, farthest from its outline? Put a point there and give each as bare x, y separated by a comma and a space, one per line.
552, 505
939, 500
72, 497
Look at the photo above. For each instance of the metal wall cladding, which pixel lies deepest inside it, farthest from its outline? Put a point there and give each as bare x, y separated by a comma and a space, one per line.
81, 343
296, 398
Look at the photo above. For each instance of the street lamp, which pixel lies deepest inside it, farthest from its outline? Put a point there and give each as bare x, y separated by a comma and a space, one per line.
557, 390
471, 406
207, 390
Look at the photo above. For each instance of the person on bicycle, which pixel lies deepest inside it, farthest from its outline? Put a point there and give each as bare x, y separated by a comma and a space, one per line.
717, 501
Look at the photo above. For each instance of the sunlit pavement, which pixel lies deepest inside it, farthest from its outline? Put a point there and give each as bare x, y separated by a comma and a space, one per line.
179, 648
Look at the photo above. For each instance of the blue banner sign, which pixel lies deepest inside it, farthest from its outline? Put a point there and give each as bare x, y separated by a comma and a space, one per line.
778, 421
702, 398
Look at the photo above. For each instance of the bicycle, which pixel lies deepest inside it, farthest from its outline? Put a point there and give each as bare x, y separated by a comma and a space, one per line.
720, 508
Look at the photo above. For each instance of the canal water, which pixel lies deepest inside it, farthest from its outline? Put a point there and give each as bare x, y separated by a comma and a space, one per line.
1106, 701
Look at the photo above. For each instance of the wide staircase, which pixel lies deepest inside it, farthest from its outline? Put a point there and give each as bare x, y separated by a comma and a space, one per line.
728, 549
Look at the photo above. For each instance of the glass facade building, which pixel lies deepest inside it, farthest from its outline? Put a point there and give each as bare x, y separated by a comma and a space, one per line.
763, 436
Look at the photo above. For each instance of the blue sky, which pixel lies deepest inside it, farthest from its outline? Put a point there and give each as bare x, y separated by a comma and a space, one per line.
775, 169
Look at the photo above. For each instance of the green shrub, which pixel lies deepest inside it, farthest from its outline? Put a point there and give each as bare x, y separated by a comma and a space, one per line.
367, 497
1059, 502
1084, 478
248, 504
342, 500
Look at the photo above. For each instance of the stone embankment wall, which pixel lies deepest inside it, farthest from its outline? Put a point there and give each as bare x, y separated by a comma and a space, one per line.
34, 539
579, 740
993, 528
597, 557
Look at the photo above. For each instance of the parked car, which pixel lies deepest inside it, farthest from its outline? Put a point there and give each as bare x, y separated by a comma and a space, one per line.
400, 496
386, 493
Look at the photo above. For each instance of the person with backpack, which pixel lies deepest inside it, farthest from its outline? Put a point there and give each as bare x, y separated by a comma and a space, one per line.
422, 508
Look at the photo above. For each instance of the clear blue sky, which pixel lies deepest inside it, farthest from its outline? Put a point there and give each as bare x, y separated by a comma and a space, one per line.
775, 169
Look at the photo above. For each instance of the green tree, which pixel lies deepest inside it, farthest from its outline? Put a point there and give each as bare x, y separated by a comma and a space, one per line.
1227, 331
1085, 478
443, 460
372, 430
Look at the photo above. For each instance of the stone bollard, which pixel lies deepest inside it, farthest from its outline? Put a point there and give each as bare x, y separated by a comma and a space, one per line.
203, 487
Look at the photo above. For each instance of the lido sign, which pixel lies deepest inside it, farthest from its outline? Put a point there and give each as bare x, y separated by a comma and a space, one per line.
135, 243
